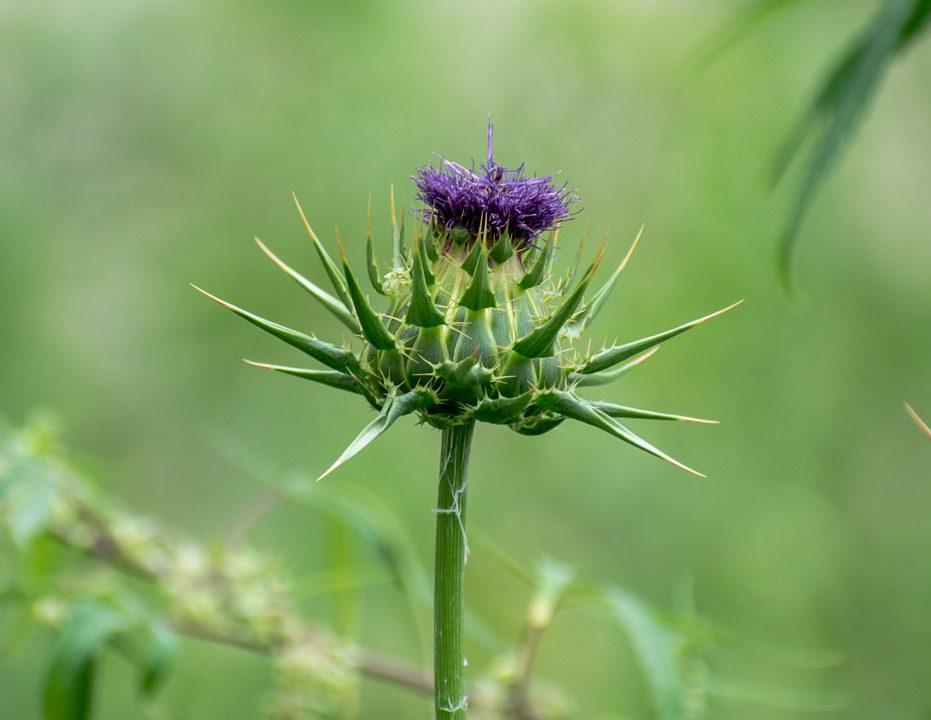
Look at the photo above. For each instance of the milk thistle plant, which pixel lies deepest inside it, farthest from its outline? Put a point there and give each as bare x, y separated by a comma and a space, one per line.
476, 329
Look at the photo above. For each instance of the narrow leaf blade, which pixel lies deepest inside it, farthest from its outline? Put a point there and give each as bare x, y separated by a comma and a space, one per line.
584, 317
331, 378
655, 649
539, 341
372, 327
331, 268
330, 355
395, 407
606, 376
324, 298
67, 694
371, 262
422, 310
583, 411
614, 355
623, 411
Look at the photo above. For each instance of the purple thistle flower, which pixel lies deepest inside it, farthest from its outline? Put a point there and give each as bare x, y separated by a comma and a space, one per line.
494, 200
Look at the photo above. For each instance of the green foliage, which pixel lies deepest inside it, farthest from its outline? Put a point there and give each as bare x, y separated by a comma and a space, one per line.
233, 595
656, 648
69, 685
838, 106
840, 103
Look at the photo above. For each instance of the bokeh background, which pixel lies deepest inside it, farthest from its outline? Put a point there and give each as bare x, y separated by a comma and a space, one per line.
143, 145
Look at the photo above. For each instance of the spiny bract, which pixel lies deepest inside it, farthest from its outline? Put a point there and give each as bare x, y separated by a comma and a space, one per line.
477, 327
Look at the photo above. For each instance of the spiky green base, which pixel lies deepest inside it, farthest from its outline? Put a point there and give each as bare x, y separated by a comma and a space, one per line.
472, 332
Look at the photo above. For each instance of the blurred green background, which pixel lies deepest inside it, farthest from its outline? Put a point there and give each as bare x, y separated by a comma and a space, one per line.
143, 144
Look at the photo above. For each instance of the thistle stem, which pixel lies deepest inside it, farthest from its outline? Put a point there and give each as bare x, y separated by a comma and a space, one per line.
451, 551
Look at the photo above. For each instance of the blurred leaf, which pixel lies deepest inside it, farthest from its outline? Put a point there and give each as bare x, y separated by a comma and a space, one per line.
742, 24
745, 694
68, 693
552, 581
29, 508
841, 102
159, 648
656, 650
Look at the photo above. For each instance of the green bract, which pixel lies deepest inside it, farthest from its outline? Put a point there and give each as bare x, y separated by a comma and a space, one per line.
473, 328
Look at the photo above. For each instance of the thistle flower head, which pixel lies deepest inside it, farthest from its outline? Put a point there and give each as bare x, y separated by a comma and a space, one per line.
475, 325
491, 201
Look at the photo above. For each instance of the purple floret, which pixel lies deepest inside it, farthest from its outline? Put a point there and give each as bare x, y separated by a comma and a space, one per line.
495, 199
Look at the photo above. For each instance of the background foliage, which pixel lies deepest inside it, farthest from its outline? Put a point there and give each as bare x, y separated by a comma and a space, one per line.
144, 144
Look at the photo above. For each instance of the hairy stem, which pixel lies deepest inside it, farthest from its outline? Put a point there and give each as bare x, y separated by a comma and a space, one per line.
451, 551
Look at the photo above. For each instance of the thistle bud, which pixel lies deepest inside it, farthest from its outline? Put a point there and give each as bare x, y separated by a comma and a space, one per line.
474, 324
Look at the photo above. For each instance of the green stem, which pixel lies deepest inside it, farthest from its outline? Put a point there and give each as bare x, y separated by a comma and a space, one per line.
451, 549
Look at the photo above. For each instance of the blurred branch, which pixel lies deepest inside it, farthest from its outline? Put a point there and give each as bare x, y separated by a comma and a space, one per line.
231, 596
371, 663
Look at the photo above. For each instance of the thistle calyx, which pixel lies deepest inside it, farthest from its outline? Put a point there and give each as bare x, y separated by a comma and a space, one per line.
476, 326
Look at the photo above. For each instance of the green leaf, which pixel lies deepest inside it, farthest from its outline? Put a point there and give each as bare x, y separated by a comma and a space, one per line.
502, 250
159, 649
465, 373
371, 263
744, 22
30, 507
421, 241
541, 267
655, 648
539, 341
587, 314
622, 411
330, 355
567, 281
328, 301
372, 327
331, 378
583, 411
395, 407
68, 692
613, 355
471, 260
552, 583
478, 296
422, 311
397, 237
606, 376
429, 240
13, 473
376, 523
331, 268
843, 99
501, 411
539, 425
